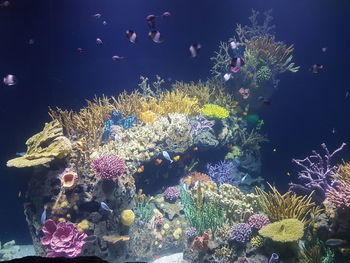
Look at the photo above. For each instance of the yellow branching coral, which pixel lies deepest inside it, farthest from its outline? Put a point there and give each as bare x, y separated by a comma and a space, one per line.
288, 205
44, 147
214, 111
287, 230
147, 116
88, 122
200, 91
127, 104
344, 173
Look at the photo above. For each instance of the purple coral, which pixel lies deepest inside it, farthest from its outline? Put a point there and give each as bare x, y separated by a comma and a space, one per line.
108, 166
257, 221
191, 232
240, 233
171, 194
317, 174
200, 124
222, 173
63, 238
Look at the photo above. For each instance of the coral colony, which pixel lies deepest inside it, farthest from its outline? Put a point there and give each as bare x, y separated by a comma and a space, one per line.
134, 176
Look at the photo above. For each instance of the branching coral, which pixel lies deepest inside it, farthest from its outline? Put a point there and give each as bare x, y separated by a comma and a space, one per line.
88, 122
344, 173
339, 196
200, 91
277, 206
127, 104
251, 141
222, 60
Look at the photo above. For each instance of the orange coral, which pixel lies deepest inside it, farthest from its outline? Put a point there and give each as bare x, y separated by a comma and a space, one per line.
147, 116
200, 244
69, 180
196, 176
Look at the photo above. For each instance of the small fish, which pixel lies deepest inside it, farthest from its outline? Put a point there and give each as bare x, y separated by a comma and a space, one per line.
227, 76
166, 14
244, 92
104, 23
344, 250
334, 131
141, 169
98, 15
104, 206
195, 148
176, 158
131, 35
5, 4
151, 21
155, 36
167, 156
43, 216
10, 80
334, 242
264, 100
274, 149
117, 58
99, 41
324, 49
194, 50
20, 154
116, 137
80, 50
158, 161
31, 41
236, 64
289, 174
19, 194
346, 94
233, 45
243, 178
316, 68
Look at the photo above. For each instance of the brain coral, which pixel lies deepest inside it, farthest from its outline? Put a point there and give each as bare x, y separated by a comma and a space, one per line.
287, 230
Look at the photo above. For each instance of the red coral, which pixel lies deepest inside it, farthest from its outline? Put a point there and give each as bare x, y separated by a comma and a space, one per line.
339, 196
200, 244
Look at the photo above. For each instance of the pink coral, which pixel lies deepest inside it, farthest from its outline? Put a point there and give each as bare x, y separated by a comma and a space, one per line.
339, 196
257, 221
63, 238
109, 166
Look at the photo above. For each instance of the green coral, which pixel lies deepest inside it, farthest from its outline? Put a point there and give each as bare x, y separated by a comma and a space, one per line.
214, 111
143, 212
257, 242
44, 147
235, 153
263, 74
202, 213
287, 230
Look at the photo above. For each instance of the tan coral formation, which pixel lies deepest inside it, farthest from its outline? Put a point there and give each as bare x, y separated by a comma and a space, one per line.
44, 147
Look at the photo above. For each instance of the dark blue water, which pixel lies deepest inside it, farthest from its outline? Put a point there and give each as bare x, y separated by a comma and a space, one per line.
305, 108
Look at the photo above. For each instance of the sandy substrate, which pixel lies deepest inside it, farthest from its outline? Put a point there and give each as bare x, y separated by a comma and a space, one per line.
174, 258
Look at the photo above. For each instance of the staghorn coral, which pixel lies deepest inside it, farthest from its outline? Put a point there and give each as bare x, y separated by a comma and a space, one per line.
88, 122
251, 141
277, 206
178, 101
286, 230
127, 104
44, 147
200, 91
151, 91
147, 116
222, 60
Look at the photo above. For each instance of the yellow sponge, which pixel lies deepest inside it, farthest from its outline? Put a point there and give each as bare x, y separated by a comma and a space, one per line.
127, 217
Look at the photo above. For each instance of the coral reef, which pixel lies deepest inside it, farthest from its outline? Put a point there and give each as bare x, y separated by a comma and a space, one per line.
286, 230
240, 233
108, 166
44, 147
171, 194
213, 111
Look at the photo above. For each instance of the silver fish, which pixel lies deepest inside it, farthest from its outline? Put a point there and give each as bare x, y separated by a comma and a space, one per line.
167, 156
43, 216
243, 178
20, 154
104, 206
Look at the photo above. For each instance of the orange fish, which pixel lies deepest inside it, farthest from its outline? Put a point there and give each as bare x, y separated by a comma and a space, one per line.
141, 169
158, 161
195, 148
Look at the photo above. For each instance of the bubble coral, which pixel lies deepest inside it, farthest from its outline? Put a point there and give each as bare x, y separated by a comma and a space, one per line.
108, 166
63, 238
287, 230
69, 180
214, 111
171, 194
240, 232
257, 221
127, 217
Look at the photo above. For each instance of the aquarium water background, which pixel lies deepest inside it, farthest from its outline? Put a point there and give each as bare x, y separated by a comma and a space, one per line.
306, 109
